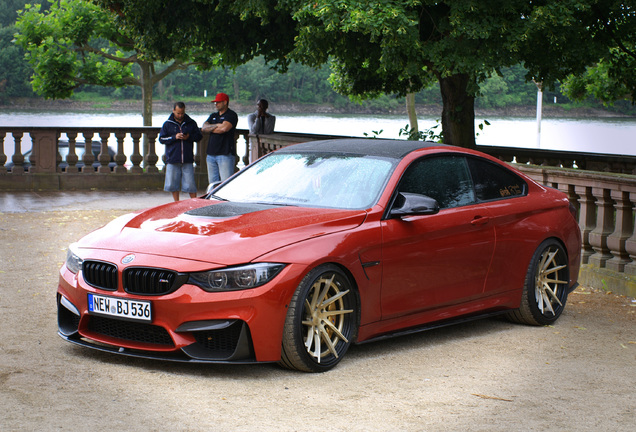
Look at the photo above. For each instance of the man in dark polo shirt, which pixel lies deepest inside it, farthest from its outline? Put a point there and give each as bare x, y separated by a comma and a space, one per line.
221, 125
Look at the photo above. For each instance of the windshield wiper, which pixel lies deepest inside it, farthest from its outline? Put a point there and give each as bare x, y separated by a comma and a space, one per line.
276, 204
218, 198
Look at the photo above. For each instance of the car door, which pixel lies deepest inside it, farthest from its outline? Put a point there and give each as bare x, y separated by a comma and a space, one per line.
431, 261
504, 193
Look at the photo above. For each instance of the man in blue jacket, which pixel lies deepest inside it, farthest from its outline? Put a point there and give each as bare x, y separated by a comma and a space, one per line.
178, 134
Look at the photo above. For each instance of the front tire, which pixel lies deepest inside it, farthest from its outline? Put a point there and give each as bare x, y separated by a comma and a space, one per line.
545, 291
321, 321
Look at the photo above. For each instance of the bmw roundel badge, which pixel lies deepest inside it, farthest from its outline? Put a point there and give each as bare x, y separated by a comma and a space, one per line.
128, 259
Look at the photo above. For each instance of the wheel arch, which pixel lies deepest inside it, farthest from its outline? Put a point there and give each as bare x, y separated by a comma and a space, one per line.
308, 314
542, 290
565, 248
354, 285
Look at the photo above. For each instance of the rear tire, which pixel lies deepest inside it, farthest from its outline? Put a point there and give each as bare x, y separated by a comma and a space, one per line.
545, 290
321, 321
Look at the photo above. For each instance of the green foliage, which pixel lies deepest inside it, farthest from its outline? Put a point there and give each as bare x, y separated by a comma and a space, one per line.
78, 43
14, 71
237, 31
433, 133
608, 81
14, 74
373, 134
369, 51
69, 46
9, 10
610, 44
507, 88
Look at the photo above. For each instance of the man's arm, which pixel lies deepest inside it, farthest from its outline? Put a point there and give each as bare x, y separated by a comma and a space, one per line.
165, 135
252, 124
270, 123
217, 128
195, 134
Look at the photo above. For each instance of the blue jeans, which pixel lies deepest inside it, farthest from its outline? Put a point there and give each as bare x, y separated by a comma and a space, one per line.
220, 167
180, 177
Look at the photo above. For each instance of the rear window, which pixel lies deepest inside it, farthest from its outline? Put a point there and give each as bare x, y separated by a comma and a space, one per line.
492, 181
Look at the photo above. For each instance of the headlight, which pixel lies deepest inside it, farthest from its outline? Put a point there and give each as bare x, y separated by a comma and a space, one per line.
73, 261
236, 278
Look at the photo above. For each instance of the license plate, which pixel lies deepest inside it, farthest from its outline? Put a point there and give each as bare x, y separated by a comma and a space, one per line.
117, 307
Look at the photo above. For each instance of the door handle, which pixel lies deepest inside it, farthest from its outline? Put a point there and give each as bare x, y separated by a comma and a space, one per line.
480, 220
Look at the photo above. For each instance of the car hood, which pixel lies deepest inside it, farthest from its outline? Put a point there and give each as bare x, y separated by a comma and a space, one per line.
218, 232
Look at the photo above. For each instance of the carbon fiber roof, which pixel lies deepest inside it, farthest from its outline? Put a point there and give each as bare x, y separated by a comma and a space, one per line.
362, 146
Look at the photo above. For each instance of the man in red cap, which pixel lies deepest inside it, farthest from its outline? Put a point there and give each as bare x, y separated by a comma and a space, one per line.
221, 126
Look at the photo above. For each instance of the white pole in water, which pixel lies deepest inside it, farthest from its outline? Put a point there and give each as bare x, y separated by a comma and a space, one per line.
539, 111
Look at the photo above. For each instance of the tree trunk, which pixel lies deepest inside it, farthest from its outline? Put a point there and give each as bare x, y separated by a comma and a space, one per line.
458, 113
414, 134
235, 82
146, 92
146, 96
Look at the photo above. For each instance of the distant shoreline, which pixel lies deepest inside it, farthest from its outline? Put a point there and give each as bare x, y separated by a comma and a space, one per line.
549, 110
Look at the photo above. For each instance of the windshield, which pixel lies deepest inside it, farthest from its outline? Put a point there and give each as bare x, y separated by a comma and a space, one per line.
310, 179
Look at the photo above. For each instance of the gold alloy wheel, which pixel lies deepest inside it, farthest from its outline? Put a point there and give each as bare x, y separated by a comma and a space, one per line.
548, 286
324, 317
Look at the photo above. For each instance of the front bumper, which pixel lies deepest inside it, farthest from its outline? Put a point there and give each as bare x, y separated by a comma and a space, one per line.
187, 325
216, 341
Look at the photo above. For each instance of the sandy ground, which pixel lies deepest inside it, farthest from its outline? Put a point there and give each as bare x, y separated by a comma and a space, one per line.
489, 375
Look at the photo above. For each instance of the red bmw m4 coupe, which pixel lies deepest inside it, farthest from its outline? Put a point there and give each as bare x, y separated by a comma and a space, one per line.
322, 245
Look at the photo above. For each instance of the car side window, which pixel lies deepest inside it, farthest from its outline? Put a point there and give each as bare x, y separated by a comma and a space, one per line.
495, 182
444, 178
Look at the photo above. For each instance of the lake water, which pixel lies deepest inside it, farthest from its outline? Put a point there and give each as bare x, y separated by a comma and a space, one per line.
603, 135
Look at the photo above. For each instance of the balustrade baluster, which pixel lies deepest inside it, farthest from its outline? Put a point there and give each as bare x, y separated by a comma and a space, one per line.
71, 157
88, 158
587, 220
3, 156
150, 160
253, 148
622, 231
604, 227
630, 243
136, 157
58, 155
18, 157
120, 157
104, 156
570, 191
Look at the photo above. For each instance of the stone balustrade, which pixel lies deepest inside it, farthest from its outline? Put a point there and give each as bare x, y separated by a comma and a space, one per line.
129, 158
601, 187
604, 194
606, 207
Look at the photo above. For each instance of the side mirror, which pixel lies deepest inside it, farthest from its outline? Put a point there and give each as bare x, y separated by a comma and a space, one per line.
408, 204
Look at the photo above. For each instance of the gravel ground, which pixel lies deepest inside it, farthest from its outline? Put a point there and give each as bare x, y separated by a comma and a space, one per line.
489, 375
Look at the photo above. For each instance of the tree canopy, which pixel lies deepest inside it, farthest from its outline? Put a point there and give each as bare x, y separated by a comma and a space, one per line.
612, 77
393, 46
373, 47
77, 43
